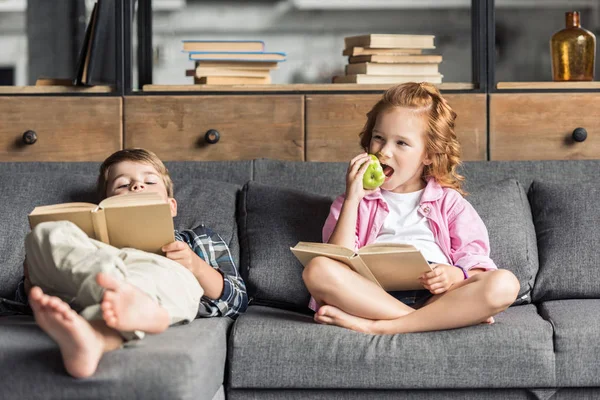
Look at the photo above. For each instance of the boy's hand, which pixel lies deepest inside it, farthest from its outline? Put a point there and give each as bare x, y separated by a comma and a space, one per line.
183, 254
441, 278
354, 177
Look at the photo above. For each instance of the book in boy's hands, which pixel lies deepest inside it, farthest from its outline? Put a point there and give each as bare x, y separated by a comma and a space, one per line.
141, 220
391, 266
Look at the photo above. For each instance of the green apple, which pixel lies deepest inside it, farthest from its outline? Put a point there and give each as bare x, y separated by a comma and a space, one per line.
374, 176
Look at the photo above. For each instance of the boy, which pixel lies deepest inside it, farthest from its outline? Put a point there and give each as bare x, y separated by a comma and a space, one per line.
119, 294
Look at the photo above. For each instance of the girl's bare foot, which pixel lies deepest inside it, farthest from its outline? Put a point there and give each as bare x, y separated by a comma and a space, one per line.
80, 345
330, 315
126, 308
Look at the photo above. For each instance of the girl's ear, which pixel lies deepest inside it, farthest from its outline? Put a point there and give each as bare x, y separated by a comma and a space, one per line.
427, 160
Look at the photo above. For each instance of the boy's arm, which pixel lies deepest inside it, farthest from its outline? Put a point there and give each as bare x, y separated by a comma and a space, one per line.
214, 254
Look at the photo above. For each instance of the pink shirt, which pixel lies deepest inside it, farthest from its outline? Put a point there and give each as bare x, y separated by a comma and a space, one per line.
456, 226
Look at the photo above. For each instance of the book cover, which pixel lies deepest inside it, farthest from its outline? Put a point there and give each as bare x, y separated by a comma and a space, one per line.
391, 266
101, 66
237, 56
232, 64
392, 69
137, 220
202, 71
223, 45
396, 59
385, 79
232, 80
391, 41
361, 51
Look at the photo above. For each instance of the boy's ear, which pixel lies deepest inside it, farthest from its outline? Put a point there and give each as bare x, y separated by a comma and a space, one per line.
173, 206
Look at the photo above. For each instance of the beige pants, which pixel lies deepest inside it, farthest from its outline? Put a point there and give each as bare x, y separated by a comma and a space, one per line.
64, 262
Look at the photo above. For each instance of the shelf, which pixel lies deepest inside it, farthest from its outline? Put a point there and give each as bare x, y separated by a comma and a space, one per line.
300, 87
55, 89
549, 85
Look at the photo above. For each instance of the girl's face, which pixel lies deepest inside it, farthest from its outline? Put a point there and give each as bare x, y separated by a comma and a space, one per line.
398, 140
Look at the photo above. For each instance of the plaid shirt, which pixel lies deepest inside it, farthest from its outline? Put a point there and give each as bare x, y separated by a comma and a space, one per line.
208, 246
211, 248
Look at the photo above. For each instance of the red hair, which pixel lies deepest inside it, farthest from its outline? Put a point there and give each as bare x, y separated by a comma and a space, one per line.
441, 146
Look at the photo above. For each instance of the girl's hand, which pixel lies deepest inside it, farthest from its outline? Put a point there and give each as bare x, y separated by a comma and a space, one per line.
441, 278
183, 254
354, 178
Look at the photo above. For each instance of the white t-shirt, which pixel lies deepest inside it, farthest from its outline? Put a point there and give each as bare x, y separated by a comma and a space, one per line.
405, 225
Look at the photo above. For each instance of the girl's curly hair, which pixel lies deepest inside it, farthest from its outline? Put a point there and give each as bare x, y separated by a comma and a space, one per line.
442, 146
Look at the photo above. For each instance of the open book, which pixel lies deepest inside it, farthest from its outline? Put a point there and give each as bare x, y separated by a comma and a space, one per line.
392, 266
141, 221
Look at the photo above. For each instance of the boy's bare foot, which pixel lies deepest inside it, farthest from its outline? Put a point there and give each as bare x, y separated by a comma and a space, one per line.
126, 308
330, 315
80, 345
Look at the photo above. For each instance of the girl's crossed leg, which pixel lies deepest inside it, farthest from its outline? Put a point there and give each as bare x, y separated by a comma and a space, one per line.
351, 301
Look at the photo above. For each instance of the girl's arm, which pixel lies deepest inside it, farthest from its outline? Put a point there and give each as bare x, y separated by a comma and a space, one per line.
344, 233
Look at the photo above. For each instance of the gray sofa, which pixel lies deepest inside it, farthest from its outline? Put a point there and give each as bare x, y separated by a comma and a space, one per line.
543, 221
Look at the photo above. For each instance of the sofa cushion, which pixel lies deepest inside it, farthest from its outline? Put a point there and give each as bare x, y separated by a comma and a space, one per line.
212, 203
199, 201
576, 326
20, 193
504, 209
566, 218
185, 362
273, 219
271, 348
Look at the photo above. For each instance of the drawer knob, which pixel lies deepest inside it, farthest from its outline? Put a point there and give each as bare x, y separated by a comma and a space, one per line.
212, 136
29, 137
579, 134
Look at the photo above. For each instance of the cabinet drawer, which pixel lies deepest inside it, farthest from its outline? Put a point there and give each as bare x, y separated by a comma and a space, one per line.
527, 126
333, 123
249, 127
64, 128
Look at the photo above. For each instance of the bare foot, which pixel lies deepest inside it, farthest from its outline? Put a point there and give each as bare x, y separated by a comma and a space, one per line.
80, 345
330, 315
126, 308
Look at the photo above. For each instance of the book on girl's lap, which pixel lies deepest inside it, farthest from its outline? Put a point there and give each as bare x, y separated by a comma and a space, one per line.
141, 221
392, 266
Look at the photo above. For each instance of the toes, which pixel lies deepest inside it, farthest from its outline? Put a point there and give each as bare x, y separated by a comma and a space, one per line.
107, 281
36, 293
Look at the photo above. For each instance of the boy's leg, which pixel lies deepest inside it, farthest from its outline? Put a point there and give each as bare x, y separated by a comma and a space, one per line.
65, 262
81, 343
333, 283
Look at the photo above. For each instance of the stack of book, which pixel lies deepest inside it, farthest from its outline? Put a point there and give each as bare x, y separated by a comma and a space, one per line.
378, 58
228, 62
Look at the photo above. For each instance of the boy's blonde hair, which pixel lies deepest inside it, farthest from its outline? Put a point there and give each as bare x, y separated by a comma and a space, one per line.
441, 146
135, 155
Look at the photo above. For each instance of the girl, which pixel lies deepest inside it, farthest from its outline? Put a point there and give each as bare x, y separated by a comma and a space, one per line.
411, 131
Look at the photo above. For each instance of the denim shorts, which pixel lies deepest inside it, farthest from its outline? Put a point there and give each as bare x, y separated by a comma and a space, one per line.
412, 298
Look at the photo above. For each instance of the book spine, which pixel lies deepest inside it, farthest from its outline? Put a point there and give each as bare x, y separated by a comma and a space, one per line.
100, 229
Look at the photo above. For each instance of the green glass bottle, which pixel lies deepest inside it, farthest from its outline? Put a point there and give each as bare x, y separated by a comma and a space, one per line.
573, 51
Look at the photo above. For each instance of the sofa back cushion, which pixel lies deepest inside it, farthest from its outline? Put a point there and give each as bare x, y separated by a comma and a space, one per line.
20, 193
504, 209
200, 201
566, 218
273, 219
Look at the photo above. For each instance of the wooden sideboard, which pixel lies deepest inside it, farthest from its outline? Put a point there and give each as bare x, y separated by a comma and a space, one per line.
60, 128
300, 126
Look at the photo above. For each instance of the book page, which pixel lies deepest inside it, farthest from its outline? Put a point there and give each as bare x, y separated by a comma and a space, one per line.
146, 227
63, 207
397, 270
386, 248
82, 218
324, 249
132, 200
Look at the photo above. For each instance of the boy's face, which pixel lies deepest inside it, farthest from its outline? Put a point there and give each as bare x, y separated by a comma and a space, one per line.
130, 176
